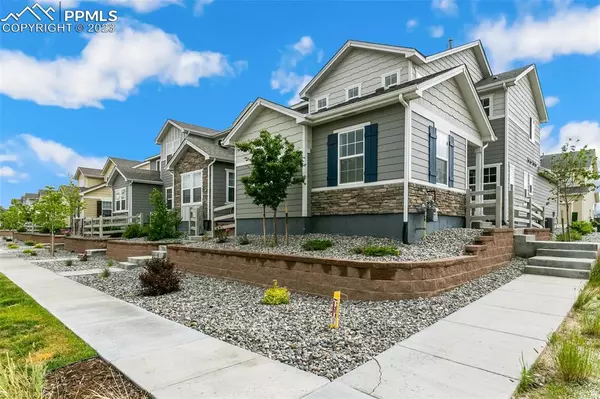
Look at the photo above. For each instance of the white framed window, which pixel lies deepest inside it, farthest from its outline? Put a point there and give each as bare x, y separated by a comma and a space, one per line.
191, 188
390, 79
528, 184
486, 103
441, 162
511, 176
531, 130
171, 146
169, 197
106, 208
322, 102
121, 199
230, 181
353, 92
157, 165
351, 155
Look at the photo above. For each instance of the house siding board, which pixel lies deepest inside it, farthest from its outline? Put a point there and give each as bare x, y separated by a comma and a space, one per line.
460, 161
140, 199
172, 134
521, 153
420, 147
466, 57
498, 103
219, 181
522, 106
245, 209
390, 147
494, 152
359, 66
446, 101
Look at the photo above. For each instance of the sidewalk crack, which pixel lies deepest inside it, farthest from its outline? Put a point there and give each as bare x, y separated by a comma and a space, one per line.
380, 376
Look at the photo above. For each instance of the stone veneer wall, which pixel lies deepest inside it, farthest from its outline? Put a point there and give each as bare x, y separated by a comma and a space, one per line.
540, 234
449, 203
190, 162
38, 237
80, 244
358, 279
120, 250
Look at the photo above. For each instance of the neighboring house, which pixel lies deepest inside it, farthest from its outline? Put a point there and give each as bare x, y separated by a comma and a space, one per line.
197, 172
383, 129
584, 208
95, 194
29, 199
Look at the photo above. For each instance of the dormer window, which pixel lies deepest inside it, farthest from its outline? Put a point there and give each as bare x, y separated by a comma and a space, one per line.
486, 103
353, 92
322, 102
390, 79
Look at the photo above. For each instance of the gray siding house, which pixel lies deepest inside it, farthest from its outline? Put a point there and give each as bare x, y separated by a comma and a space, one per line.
383, 129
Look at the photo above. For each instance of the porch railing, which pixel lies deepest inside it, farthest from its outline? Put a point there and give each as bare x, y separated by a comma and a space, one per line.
196, 221
105, 226
227, 218
528, 214
476, 206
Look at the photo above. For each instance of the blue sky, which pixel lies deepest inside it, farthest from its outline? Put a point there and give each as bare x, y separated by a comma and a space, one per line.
70, 99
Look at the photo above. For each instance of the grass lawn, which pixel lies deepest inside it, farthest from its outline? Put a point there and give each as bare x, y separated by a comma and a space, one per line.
26, 328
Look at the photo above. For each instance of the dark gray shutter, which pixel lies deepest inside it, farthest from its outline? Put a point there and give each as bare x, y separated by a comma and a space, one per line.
332, 160
371, 153
98, 208
451, 162
432, 154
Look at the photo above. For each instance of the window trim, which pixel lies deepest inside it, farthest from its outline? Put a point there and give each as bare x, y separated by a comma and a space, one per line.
389, 73
317, 99
227, 186
157, 165
172, 197
447, 159
359, 86
201, 171
122, 193
489, 97
531, 130
339, 158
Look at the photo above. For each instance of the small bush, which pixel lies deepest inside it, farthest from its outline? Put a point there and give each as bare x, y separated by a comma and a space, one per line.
27, 251
132, 231
587, 299
33, 253
163, 223
243, 239
8, 239
29, 243
21, 230
159, 277
13, 246
110, 263
574, 361
39, 246
575, 236
276, 295
583, 227
594, 274
24, 381
105, 273
221, 235
376, 250
69, 262
591, 323
317, 245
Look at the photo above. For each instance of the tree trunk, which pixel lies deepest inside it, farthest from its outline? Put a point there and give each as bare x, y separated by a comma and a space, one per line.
275, 226
287, 240
52, 241
264, 226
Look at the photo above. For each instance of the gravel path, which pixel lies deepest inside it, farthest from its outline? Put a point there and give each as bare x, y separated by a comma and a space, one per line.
592, 237
441, 244
298, 334
99, 262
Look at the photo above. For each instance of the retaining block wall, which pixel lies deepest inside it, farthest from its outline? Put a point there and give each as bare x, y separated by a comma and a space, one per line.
6, 233
120, 250
540, 234
358, 279
80, 244
38, 237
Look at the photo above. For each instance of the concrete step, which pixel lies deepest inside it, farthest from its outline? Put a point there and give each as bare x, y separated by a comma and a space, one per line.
162, 248
195, 238
578, 246
140, 260
567, 253
557, 272
129, 265
563, 263
95, 252
159, 254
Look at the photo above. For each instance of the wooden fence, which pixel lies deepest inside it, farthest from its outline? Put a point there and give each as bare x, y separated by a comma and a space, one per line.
105, 226
528, 215
476, 206
227, 219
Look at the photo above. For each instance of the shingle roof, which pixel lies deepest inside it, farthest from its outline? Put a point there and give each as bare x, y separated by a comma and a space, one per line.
29, 196
508, 75
140, 174
212, 148
196, 128
122, 162
91, 172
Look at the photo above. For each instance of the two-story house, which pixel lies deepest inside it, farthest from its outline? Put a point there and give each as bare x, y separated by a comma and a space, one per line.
29, 199
95, 194
383, 129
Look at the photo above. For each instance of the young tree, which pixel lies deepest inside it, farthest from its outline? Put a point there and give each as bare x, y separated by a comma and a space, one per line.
276, 166
573, 177
163, 222
16, 215
73, 200
50, 212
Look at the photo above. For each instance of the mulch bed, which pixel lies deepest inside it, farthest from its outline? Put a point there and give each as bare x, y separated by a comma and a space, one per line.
87, 379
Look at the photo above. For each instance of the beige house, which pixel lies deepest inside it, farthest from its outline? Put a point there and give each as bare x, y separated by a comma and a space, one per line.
97, 197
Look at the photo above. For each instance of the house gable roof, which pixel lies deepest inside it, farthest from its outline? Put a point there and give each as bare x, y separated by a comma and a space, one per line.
409, 52
87, 190
209, 148
134, 175
88, 172
185, 127
122, 162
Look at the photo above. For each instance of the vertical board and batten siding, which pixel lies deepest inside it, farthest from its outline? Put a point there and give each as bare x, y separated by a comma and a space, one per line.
494, 153
165, 175
420, 152
140, 199
466, 57
390, 146
446, 101
276, 123
219, 182
358, 66
120, 182
498, 102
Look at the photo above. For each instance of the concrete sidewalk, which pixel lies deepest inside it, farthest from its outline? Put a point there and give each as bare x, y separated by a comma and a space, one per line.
473, 353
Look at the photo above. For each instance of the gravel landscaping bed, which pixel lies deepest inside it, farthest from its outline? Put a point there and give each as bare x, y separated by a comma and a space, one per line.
441, 244
298, 334
96, 262
592, 237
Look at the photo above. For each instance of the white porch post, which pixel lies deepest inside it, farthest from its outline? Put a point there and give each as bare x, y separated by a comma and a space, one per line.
479, 178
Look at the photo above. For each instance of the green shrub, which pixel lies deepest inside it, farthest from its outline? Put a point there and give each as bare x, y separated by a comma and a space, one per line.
110, 263
317, 245
163, 223
27, 251
221, 235
276, 295
575, 236
159, 277
594, 274
243, 239
527, 380
13, 246
583, 227
132, 231
23, 381
29, 243
591, 323
376, 250
574, 360
39, 246
21, 230
69, 262
33, 253
105, 273
587, 298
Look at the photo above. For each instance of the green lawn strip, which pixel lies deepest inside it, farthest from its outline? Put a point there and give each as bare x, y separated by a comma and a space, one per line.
26, 328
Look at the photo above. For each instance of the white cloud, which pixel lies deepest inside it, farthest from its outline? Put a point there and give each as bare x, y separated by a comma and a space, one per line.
284, 79
65, 158
551, 101
110, 67
445, 6
545, 133
411, 24
8, 157
12, 181
7, 171
200, 5
436, 31
587, 132
320, 56
568, 31
141, 6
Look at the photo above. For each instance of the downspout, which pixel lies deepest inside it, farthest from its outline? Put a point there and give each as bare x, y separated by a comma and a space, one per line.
407, 164
506, 169
209, 205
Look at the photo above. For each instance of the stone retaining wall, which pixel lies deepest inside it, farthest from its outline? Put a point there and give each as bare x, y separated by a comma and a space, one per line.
6, 233
540, 234
80, 244
38, 237
358, 279
120, 250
